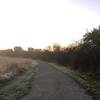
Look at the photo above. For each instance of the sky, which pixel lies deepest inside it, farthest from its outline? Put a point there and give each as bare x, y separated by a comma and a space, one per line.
39, 23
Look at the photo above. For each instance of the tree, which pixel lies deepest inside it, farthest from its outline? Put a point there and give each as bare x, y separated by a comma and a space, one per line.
56, 47
91, 48
93, 37
18, 49
30, 49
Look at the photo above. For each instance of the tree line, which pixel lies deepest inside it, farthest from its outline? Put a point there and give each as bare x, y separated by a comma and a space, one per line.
83, 55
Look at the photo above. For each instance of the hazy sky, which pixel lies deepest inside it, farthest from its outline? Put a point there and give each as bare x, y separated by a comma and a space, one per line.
39, 23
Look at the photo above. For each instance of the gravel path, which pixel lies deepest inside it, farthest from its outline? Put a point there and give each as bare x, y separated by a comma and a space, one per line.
51, 84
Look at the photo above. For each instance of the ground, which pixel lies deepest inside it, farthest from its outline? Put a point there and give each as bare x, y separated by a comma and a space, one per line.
51, 84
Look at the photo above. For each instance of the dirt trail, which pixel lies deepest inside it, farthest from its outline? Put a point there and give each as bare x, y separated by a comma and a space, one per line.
51, 84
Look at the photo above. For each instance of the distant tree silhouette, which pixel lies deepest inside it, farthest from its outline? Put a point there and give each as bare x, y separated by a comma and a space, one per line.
56, 47
30, 49
18, 49
83, 55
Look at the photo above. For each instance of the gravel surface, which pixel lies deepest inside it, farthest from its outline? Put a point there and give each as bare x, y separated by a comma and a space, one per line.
51, 84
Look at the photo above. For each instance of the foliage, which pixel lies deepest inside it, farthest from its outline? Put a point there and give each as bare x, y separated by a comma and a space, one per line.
83, 55
20, 86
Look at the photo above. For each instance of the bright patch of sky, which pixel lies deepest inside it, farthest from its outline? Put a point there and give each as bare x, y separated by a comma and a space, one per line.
39, 23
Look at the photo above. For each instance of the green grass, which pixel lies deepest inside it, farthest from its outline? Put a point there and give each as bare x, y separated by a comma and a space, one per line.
91, 85
17, 87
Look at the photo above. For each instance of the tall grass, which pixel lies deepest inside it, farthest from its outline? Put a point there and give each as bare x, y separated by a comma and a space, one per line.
10, 67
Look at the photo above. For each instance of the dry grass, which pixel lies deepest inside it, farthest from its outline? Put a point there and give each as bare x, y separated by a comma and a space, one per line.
10, 67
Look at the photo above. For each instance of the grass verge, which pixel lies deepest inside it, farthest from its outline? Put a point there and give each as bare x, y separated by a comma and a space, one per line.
16, 88
92, 86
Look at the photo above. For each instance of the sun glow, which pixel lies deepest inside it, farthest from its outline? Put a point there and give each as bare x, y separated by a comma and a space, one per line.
39, 23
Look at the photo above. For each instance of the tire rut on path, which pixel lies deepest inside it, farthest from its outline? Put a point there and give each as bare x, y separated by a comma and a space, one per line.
51, 84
